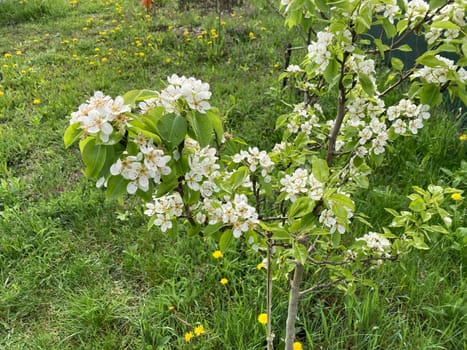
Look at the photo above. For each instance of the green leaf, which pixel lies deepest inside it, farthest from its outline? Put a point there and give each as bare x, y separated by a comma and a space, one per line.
134, 130
436, 3
94, 157
320, 169
168, 184
301, 207
225, 240
116, 187
361, 181
281, 120
322, 5
72, 134
429, 59
404, 48
397, 63
364, 18
417, 205
131, 97
343, 200
336, 238
201, 128
172, 128
210, 229
382, 48
430, 94
280, 234
216, 121
445, 25
392, 211
402, 25
331, 73
341, 213
389, 28
239, 176
367, 84
299, 253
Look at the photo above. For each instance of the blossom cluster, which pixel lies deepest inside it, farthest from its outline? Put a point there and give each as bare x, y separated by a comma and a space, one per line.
452, 12
329, 220
440, 74
389, 10
416, 10
149, 164
413, 114
301, 120
376, 244
101, 115
318, 51
254, 158
180, 90
166, 208
371, 117
234, 212
204, 169
301, 183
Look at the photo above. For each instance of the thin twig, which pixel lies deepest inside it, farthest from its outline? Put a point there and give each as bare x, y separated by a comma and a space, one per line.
320, 286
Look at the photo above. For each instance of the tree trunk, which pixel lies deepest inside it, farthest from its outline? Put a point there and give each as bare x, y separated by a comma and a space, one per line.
293, 306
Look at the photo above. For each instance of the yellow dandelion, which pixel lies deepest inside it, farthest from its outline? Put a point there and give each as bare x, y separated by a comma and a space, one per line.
2, 93
85, 28
186, 32
217, 254
297, 346
141, 54
168, 60
251, 35
91, 63
263, 318
463, 137
7, 55
276, 65
199, 330
22, 71
104, 59
223, 23
171, 308
36, 101
260, 266
456, 196
199, 36
188, 336
5, 66
19, 53
224, 281
97, 49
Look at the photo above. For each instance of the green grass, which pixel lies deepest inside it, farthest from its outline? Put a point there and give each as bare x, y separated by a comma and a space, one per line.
78, 272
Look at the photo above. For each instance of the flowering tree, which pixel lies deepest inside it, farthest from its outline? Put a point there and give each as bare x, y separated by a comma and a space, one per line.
293, 204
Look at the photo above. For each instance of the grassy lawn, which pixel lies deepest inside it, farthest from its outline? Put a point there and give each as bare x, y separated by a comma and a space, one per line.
80, 272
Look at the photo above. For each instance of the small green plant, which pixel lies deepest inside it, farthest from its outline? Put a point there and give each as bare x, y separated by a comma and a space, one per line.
294, 204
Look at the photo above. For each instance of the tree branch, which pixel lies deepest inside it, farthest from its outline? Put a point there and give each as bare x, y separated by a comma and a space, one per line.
340, 114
